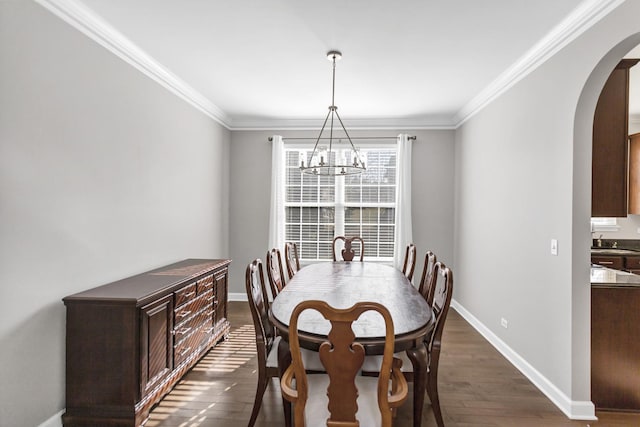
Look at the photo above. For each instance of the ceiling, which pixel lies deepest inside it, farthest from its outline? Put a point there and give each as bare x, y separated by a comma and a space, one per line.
262, 63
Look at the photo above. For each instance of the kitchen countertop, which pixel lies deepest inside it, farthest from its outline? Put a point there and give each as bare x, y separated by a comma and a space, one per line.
614, 251
607, 277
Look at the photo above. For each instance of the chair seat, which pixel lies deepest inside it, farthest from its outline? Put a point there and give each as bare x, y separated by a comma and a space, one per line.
310, 358
317, 412
372, 363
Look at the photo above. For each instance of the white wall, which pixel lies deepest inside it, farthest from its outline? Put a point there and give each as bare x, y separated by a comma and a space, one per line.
432, 195
523, 178
103, 174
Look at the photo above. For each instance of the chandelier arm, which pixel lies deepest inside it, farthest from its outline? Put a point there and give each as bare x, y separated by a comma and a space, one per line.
348, 137
315, 147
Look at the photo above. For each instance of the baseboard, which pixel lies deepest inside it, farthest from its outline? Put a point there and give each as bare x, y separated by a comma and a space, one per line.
237, 296
575, 410
54, 421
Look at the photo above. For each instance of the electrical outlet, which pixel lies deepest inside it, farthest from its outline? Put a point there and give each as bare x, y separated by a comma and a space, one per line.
504, 323
554, 247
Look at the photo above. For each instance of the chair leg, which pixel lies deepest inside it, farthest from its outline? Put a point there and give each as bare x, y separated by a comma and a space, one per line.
288, 415
432, 391
262, 386
418, 357
284, 360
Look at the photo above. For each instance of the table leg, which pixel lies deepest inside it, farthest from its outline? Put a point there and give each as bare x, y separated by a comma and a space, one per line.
418, 357
284, 360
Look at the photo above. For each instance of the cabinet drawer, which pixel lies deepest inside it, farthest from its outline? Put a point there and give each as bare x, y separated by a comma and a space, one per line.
186, 328
205, 284
202, 318
185, 294
632, 263
190, 344
614, 262
191, 308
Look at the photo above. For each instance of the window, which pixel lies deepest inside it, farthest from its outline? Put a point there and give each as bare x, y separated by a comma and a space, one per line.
604, 224
321, 207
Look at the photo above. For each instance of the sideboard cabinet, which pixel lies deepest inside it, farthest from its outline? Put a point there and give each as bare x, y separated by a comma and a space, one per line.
129, 342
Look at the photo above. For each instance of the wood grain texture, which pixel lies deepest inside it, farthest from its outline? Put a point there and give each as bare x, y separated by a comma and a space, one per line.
130, 341
615, 347
609, 156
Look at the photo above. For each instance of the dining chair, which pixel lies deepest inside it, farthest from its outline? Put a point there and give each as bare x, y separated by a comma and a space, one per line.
347, 252
409, 264
332, 399
428, 276
275, 273
440, 294
266, 339
291, 258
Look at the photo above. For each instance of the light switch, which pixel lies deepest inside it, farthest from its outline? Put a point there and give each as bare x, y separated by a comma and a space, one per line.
554, 246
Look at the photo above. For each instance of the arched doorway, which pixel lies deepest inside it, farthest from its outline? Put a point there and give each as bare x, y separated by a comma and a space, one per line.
582, 160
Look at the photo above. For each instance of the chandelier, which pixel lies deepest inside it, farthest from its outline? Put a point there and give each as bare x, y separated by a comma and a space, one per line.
328, 162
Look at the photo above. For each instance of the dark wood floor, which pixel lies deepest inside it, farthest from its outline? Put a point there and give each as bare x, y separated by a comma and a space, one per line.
478, 387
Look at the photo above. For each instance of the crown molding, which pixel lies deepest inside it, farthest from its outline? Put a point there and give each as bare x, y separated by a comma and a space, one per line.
86, 21
398, 123
580, 20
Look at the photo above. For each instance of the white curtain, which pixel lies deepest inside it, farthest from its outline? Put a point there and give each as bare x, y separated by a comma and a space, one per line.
404, 231
276, 211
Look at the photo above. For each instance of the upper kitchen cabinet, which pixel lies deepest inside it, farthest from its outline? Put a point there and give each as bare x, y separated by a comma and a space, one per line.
634, 174
610, 134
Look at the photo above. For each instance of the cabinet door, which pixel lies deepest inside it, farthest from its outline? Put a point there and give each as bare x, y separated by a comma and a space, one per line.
609, 156
634, 174
220, 304
156, 346
632, 263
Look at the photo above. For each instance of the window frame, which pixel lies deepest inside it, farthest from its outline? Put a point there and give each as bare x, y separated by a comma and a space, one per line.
604, 224
340, 204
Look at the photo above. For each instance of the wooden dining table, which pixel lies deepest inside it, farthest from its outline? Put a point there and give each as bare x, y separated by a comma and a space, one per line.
342, 284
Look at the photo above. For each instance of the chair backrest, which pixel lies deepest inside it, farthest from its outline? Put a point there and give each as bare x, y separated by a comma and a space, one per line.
348, 252
440, 295
291, 258
428, 276
275, 274
342, 359
259, 305
409, 264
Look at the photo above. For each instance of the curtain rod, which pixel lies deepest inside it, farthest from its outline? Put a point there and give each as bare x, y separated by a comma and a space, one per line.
413, 137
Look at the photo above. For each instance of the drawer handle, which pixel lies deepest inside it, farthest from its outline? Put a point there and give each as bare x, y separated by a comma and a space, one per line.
211, 312
606, 262
208, 331
211, 298
190, 294
185, 351
184, 313
182, 331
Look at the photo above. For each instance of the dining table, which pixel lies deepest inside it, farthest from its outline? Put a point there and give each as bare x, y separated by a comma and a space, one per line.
341, 284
